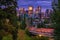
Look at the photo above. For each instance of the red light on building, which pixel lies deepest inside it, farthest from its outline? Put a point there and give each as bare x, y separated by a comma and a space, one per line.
44, 30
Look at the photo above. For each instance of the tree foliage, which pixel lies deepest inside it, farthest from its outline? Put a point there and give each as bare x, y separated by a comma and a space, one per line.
56, 20
8, 18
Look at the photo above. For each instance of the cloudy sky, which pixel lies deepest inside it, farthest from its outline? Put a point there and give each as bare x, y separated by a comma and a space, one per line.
45, 4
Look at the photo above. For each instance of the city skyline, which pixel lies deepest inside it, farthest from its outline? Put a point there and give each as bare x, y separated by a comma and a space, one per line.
45, 4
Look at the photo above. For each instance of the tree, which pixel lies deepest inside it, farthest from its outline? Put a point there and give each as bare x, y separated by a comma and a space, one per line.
8, 11
23, 21
56, 19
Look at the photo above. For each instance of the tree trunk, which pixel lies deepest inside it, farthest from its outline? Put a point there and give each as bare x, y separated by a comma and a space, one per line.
14, 35
1, 37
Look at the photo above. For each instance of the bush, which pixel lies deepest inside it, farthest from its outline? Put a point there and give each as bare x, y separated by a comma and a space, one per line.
41, 25
28, 33
23, 25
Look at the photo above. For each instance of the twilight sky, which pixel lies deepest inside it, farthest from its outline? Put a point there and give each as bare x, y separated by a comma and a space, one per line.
45, 4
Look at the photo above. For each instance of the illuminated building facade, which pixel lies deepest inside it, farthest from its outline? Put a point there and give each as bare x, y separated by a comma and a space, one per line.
30, 9
48, 13
39, 8
21, 14
39, 11
30, 15
21, 10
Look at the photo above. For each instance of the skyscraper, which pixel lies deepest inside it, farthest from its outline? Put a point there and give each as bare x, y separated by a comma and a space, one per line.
30, 9
39, 11
21, 14
21, 10
48, 15
30, 15
39, 8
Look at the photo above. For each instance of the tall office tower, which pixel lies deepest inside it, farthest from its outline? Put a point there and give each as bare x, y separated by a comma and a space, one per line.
39, 11
39, 8
42, 15
36, 11
48, 15
21, 13
36, 18
21, 10
30, 9
30, 15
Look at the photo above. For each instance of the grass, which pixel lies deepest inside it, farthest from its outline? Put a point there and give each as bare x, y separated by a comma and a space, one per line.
8, 37
21, 36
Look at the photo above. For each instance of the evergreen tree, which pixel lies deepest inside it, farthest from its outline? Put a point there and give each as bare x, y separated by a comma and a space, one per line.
23, 24
8, 11
56, 19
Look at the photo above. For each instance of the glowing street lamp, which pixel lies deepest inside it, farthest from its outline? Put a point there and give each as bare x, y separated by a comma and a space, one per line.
40, 35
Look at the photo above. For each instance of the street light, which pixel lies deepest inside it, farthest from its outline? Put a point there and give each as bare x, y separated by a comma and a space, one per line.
40, 35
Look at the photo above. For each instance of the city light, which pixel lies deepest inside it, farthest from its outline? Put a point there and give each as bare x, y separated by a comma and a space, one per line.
40, 35
36, 11
21, 9
30, 8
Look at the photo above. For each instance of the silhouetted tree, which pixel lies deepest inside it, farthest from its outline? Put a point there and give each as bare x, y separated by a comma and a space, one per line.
8, 11
56, 19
